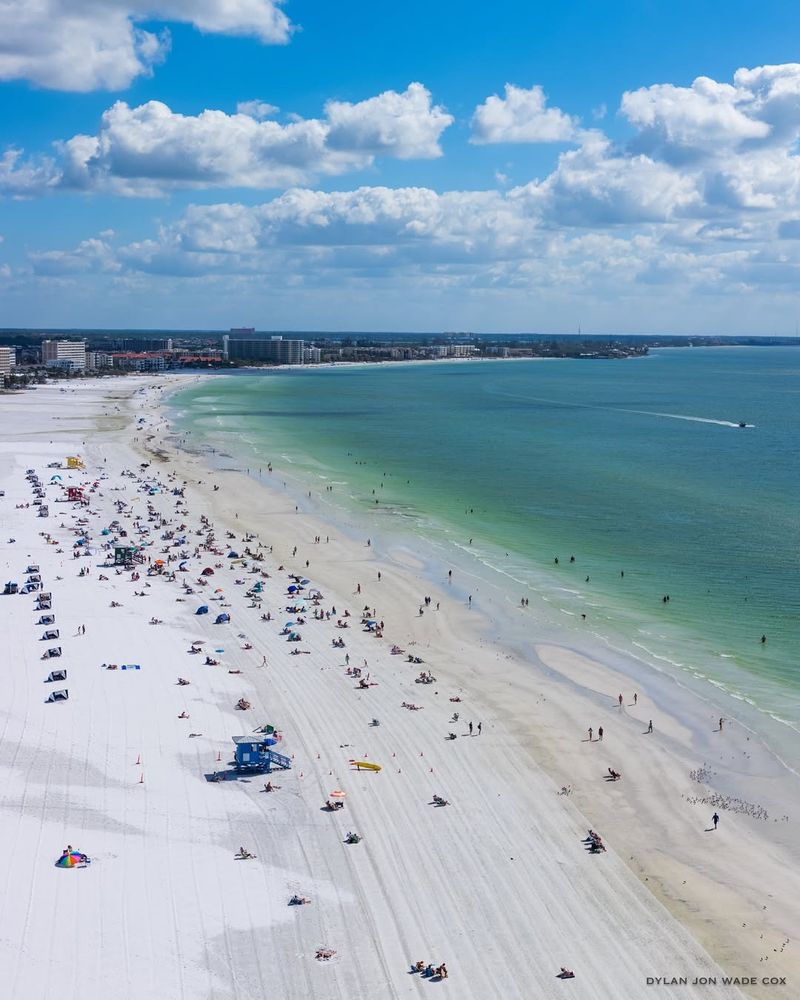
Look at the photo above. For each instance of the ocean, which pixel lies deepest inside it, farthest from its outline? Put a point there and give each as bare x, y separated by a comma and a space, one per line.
633, 474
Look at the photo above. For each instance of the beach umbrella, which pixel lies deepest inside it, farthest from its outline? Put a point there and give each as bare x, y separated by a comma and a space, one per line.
288, 624
159, 562
219, 590
72, 859
292, 589
337, 793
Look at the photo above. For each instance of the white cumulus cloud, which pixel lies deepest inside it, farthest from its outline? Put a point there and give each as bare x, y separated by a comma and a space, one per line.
404, 125
83, 45
521, 116
150, 149
257, 109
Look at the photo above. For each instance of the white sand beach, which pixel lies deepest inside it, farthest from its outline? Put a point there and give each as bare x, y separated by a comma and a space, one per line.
499, 884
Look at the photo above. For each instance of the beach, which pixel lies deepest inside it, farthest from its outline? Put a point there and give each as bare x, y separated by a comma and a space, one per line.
499, 884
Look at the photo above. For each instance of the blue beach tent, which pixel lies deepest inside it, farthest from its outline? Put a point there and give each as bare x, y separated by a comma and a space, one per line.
202, 610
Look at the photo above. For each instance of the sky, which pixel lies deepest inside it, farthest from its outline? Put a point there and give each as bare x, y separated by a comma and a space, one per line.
626, 167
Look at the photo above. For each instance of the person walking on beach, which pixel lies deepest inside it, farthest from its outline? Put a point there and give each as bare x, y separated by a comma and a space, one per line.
480, 728
720, 724
650, 727
715, 820
600, 734
470, 729
620, 701
591, 734
635, 698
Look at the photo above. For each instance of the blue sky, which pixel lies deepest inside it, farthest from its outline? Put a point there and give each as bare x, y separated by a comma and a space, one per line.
517, 166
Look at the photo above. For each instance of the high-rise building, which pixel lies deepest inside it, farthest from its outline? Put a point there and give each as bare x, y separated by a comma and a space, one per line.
271, 350
8, 361
69, 354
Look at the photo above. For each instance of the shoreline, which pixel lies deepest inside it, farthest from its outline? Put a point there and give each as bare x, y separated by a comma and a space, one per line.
722, 651
587, 675
507, 852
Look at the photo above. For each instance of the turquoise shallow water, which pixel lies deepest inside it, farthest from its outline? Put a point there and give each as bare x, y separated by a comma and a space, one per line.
633, 467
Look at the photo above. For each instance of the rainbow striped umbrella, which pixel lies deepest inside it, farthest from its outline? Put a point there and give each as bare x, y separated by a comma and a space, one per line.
72, 859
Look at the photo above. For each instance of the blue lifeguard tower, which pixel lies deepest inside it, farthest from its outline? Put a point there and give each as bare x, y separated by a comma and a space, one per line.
253, 753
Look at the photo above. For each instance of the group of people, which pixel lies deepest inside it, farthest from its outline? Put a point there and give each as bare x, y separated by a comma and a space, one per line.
595, 842
428, 971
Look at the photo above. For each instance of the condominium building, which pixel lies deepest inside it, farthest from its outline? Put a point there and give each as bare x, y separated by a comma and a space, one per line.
8, 361
270, 350
69, 354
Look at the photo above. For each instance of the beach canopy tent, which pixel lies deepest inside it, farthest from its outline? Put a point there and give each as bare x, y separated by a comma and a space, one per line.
55, 479
202, 610
61, 695
56, 675
221, 619
73, 859
47, 620
74, 493
51, 653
